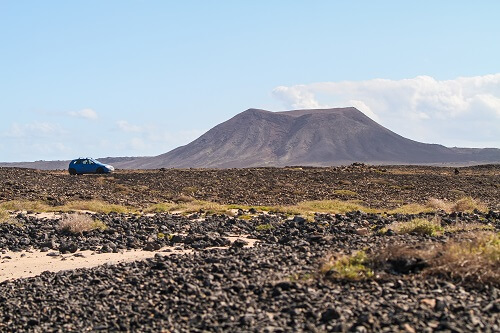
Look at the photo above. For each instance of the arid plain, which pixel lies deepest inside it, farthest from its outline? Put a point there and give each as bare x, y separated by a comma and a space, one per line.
354, 248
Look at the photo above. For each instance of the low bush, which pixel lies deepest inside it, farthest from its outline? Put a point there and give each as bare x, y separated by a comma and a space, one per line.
79, 223
467, 204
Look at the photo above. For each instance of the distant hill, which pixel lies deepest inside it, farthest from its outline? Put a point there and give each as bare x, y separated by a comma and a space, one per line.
117, 162
318, 137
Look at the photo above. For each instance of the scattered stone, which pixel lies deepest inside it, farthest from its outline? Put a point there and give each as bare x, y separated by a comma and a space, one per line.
239, 243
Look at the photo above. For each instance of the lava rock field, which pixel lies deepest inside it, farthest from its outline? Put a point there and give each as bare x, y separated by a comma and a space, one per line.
385, 187
275, 286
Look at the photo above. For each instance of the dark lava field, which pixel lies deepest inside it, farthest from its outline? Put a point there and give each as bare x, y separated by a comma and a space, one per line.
387, 186
282, 284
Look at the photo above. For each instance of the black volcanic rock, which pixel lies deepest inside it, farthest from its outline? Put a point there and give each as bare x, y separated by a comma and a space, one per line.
321, 137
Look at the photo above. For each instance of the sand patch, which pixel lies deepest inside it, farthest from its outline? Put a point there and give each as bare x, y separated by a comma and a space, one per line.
15, 265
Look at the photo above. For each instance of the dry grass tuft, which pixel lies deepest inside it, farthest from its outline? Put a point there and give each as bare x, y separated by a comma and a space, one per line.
188, 207
474, 259
468, 204
94, 206
330, 206
411, 209
4, 215
465, 227
24, 205
438, 204
346, 193
90, 205
79, 223
419, 226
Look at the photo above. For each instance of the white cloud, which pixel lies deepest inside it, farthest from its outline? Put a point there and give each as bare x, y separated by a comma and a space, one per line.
466, 109
85, 113
127, 127
50, 148
298, 97
35, 129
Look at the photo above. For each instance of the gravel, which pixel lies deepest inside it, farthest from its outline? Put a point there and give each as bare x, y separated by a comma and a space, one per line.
272, 287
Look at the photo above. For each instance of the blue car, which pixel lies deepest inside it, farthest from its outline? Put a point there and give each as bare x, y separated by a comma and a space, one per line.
88, 165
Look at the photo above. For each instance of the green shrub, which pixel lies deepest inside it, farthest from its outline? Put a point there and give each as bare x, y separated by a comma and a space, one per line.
419, 226
354, 267
262, 227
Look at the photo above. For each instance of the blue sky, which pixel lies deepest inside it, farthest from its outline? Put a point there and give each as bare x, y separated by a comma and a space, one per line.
130, 78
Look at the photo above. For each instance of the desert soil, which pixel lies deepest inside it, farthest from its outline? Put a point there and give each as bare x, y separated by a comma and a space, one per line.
387, 186
235, 273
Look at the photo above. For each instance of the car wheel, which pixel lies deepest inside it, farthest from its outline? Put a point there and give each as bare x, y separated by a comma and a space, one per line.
72, 171
100, 170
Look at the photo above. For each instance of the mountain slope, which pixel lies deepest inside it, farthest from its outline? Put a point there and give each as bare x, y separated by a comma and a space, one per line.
306, 137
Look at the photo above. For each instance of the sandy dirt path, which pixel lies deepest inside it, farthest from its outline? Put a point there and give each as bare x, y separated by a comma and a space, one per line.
15, 265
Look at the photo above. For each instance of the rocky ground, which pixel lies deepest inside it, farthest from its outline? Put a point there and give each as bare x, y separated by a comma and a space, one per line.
385, 187
276, 286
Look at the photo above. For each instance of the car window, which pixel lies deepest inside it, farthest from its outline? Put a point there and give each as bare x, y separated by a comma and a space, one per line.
77, 162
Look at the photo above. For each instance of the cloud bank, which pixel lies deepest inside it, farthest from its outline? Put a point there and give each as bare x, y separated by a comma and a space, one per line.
460, 112
85, 114
34, 130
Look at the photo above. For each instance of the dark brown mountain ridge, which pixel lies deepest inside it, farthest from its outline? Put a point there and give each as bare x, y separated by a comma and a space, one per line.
314, 137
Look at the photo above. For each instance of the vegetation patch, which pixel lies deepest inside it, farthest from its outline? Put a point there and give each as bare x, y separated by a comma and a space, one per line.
79, 223
346, 193
354, 267
263, 227
419, 226
186, 205
4, 215
468, 204
411, 209
474, 259
331, 206
465, 227
25, 205
95, 206
190, 207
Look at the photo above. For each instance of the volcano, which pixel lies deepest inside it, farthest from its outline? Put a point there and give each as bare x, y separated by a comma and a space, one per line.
315, 137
